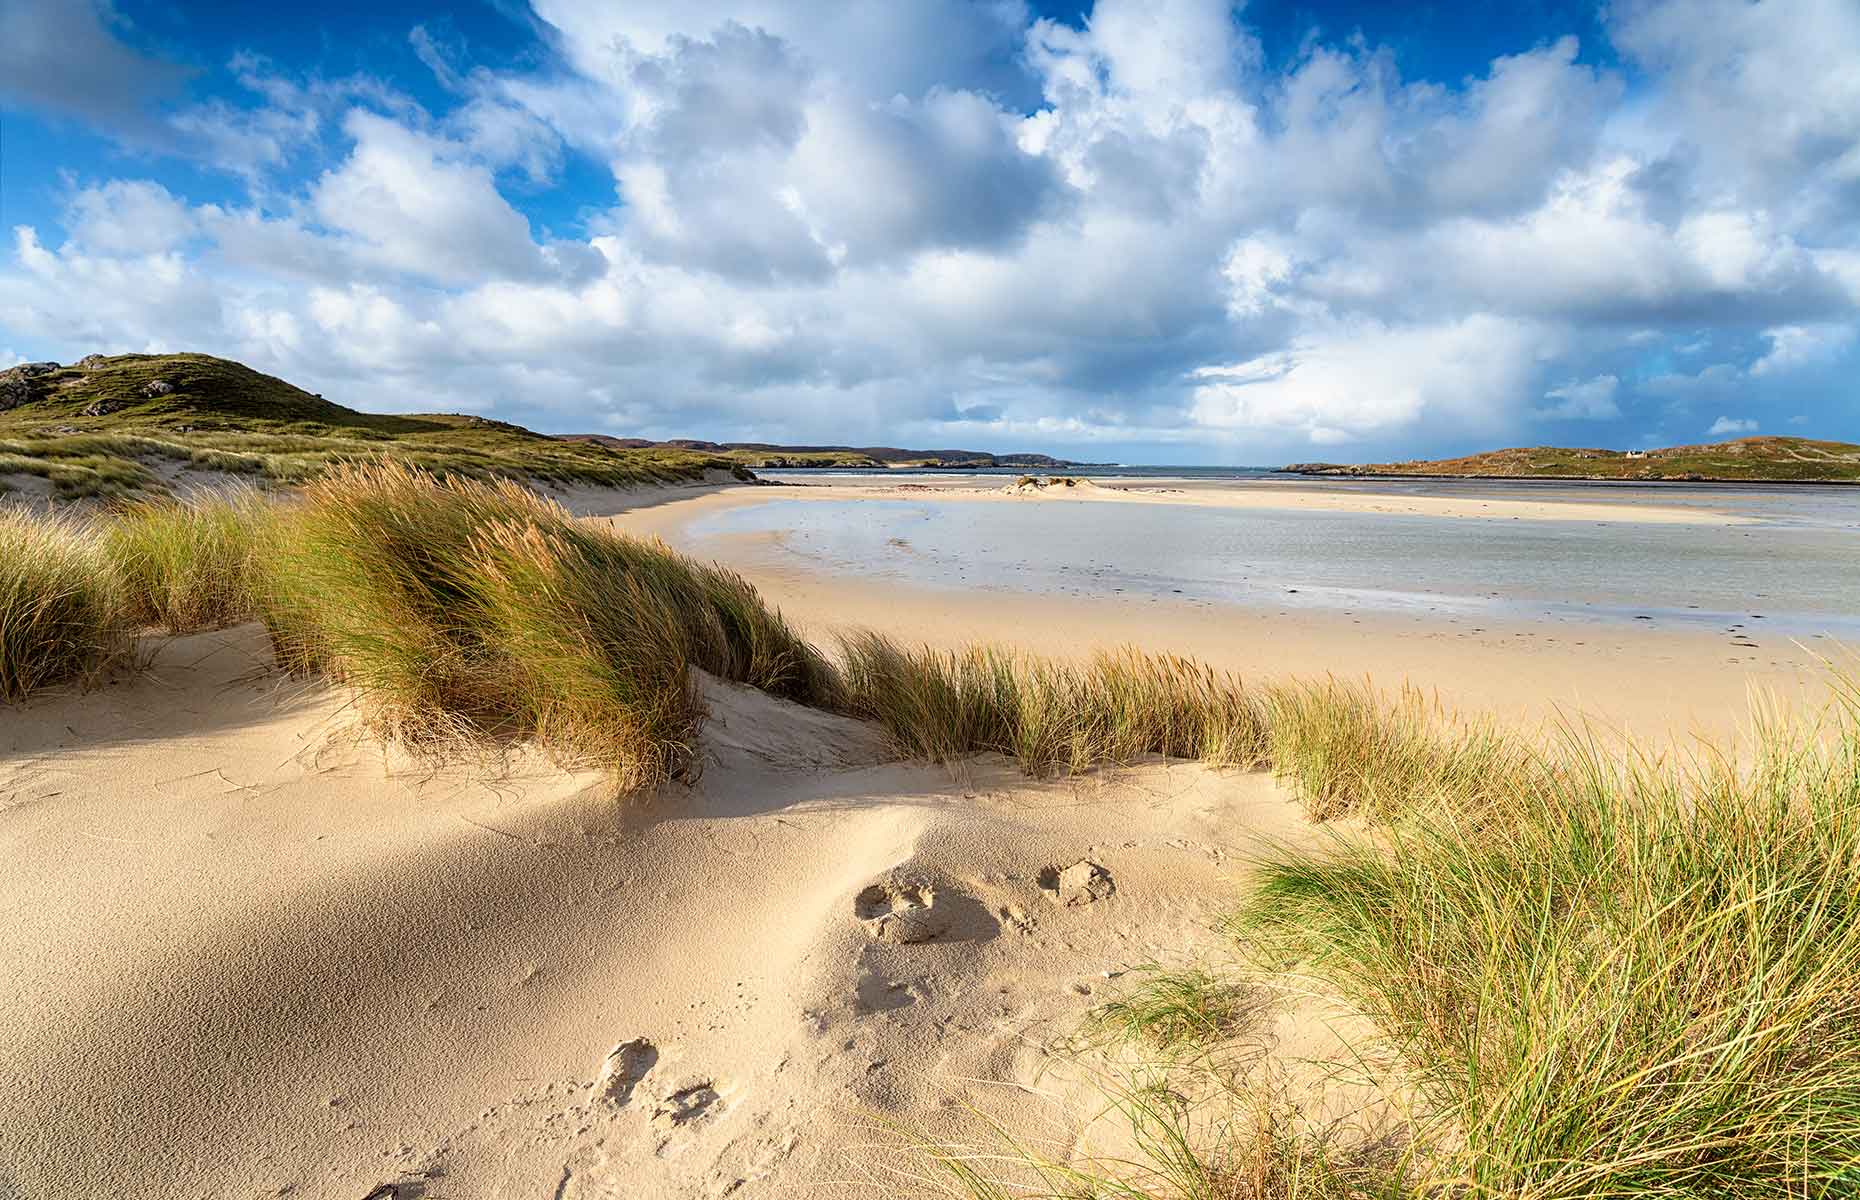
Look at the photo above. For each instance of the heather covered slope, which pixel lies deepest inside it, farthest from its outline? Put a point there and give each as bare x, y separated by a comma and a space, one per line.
122, 424
770, 454
1752, 459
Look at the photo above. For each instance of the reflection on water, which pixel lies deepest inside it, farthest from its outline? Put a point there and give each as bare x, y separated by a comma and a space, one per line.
1796, 572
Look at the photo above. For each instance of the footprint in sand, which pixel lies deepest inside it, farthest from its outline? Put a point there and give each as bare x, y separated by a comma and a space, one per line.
1081, 883
692, 1101
875, 994
1015, 917
407, 1187
626, 1065
901, 911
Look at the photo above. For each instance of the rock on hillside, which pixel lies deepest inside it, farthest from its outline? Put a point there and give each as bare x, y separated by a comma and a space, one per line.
160, 388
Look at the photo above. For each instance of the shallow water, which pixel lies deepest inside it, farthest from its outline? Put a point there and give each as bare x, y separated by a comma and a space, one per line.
1795, 572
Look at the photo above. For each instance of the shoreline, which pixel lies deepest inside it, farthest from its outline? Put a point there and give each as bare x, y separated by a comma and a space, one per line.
1674, 685
1261, 494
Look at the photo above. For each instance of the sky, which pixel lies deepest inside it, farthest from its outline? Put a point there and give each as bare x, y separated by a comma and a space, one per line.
1174, 231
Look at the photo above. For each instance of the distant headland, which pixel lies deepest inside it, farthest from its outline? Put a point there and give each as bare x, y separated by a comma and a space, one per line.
1744, 460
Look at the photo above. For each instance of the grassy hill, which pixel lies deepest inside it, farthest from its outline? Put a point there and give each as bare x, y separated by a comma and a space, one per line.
1752, 459
769, 454
128, 423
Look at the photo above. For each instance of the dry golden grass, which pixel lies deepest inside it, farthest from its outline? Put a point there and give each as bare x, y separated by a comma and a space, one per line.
1609, 975
61, 612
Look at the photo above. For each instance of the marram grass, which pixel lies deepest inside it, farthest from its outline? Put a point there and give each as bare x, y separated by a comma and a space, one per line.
61, 616
1608, 976
458, 608
1643, 980
187, 564
1052, 717
455, 609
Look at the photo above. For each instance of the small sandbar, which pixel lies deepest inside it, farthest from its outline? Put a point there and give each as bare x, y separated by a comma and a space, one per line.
1477, 504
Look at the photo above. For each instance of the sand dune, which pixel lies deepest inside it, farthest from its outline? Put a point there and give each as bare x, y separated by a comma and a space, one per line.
252, 953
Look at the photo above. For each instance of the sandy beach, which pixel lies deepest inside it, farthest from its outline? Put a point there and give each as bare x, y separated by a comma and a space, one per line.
930, 600
1668, 684
1563, 505
256, 952
253, 954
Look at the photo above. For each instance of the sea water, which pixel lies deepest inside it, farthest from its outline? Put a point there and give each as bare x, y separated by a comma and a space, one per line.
1795, 569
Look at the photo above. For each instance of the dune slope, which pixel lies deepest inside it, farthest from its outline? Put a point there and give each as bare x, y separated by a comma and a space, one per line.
253, 953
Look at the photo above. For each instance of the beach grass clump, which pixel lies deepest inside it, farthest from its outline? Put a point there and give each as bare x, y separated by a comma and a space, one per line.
1348, 749
187, 564
61, 617
1644, 980
1188, 1008
465, 609
1052, 717
1189, 1133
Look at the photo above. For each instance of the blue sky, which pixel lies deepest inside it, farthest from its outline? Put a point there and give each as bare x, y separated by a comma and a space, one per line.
1162, 230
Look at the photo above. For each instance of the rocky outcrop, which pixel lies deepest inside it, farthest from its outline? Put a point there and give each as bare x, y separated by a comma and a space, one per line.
16, 382
157, 387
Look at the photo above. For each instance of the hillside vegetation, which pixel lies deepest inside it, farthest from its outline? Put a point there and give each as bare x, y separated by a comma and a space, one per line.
769, 454
132, 423
1752, 459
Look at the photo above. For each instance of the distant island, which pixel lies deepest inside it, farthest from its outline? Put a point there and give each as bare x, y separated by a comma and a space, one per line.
772, 455
1744, 460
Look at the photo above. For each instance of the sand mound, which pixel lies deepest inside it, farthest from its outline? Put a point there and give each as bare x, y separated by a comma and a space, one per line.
1050, 485
253, 954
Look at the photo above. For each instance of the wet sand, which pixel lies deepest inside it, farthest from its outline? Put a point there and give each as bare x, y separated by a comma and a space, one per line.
1674, 685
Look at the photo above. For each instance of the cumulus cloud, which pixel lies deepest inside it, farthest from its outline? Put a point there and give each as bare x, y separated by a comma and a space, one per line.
411, 203
1793, 347
1590, 400
129, 217
1361, 379
818, 222
1731, 425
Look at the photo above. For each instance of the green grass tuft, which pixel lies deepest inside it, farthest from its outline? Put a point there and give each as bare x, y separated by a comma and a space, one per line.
60, 610
1185, 1009
464, 609
1637, 980
1192, 1135
187, 564
1053, 717
1349, 750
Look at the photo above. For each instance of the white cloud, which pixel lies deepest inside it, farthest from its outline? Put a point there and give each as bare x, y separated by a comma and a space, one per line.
1793, 347
1590, 400
129, 217
834, 221
1360, 379
880, 50
1763, 98
1731, 425
412, 204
